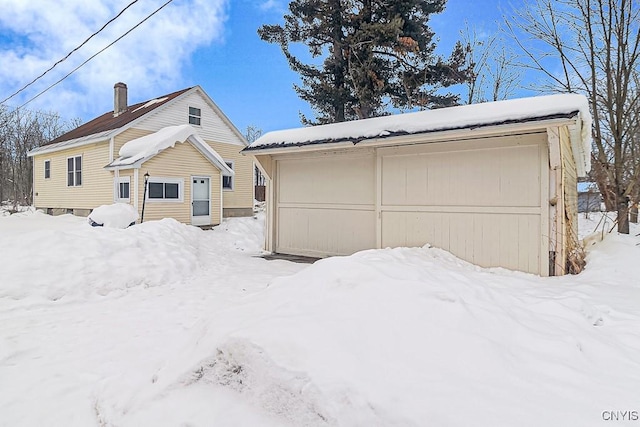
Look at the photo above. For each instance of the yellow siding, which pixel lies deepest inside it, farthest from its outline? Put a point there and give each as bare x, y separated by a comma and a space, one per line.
97, 183
126, 136
242, 194
183, 161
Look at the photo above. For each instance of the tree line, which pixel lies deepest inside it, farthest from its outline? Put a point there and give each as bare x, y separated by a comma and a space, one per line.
20, 132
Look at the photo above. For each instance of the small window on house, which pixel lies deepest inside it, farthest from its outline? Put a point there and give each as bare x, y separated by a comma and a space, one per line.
74, 171
47, 169
166, 189
194, 116
124, 187
227, 181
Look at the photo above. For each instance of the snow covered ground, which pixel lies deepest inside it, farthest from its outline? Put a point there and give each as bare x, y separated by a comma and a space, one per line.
162, 324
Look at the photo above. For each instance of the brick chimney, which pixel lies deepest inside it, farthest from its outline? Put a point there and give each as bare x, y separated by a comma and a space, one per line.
119, 98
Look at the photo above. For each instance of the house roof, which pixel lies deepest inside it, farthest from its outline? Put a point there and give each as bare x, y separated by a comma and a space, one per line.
107, 126
444, 119
137, 151
107, 121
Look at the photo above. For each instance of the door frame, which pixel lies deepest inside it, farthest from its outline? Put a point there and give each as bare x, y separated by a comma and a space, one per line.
200, 219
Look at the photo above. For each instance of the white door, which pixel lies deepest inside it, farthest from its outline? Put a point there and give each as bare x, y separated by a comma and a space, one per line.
200, 200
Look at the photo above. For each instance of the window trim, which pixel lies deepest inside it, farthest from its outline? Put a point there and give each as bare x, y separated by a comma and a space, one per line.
123, 179
197, 117
166, 180
45, 169
231, 164
75, 170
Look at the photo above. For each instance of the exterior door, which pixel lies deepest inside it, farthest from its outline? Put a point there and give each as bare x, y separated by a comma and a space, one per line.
200, 200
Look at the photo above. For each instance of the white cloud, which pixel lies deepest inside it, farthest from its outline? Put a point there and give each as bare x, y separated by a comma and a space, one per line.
36, 33
272, 5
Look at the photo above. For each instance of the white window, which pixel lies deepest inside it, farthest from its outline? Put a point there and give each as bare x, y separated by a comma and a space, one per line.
227, 181
124, 188
165, 189
195, 115
47, 169
74, 171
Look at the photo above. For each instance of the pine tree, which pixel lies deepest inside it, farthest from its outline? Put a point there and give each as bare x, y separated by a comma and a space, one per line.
376, 54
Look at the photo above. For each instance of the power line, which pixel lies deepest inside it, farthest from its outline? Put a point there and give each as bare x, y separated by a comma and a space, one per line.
99, 52
70, 53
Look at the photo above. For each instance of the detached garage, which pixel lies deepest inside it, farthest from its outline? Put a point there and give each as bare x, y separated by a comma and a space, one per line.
495, 183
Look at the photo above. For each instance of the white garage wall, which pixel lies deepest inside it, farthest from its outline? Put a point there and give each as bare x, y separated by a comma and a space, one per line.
481, 200
326, 203
485, 200
500, 176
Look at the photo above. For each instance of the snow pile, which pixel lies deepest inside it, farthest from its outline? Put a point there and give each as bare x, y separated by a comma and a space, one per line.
80, 261
8, 208
143, 148
399, 336
394, 337
149, 145
117, 215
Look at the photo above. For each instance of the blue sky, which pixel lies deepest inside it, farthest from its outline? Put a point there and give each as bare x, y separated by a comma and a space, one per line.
212, 43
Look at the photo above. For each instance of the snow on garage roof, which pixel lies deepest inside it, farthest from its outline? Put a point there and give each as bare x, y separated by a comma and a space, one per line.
139, 150
444, 119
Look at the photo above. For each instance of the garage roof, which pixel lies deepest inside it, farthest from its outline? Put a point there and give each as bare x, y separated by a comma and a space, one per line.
471, 116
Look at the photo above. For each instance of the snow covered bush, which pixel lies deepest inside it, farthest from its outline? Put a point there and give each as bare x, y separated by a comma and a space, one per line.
118, 215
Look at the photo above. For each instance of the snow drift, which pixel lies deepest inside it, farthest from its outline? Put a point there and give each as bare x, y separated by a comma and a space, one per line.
202, 332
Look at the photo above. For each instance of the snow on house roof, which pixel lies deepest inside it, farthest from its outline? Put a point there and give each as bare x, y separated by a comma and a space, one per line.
139, 150
443, 119
108, 121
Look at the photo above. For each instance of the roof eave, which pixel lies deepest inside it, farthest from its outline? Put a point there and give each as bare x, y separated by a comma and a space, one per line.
438, 135
135, 165
66, 145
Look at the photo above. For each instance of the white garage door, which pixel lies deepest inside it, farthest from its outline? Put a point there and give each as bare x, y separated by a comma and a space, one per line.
480, 200
325, 204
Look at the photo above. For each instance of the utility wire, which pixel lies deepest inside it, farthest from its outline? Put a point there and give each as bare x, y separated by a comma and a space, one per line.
98, 53
70, 53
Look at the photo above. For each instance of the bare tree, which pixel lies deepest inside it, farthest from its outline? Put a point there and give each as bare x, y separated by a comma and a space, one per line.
20, 132
593, 47
252, 133
494, 75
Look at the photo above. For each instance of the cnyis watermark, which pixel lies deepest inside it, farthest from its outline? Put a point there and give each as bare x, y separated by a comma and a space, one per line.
628, 415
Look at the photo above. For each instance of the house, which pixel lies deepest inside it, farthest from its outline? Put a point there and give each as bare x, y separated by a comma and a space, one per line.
181, 145
589, 197
493, 183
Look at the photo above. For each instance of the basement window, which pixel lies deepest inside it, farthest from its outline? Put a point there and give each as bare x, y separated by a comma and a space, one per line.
195, 115
165, 189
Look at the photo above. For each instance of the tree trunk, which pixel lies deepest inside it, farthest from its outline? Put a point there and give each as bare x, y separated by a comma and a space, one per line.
623, 215
634, 214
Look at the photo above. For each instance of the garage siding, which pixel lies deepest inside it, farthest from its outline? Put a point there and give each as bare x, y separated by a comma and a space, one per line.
483, 200
325, 204
479, 200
